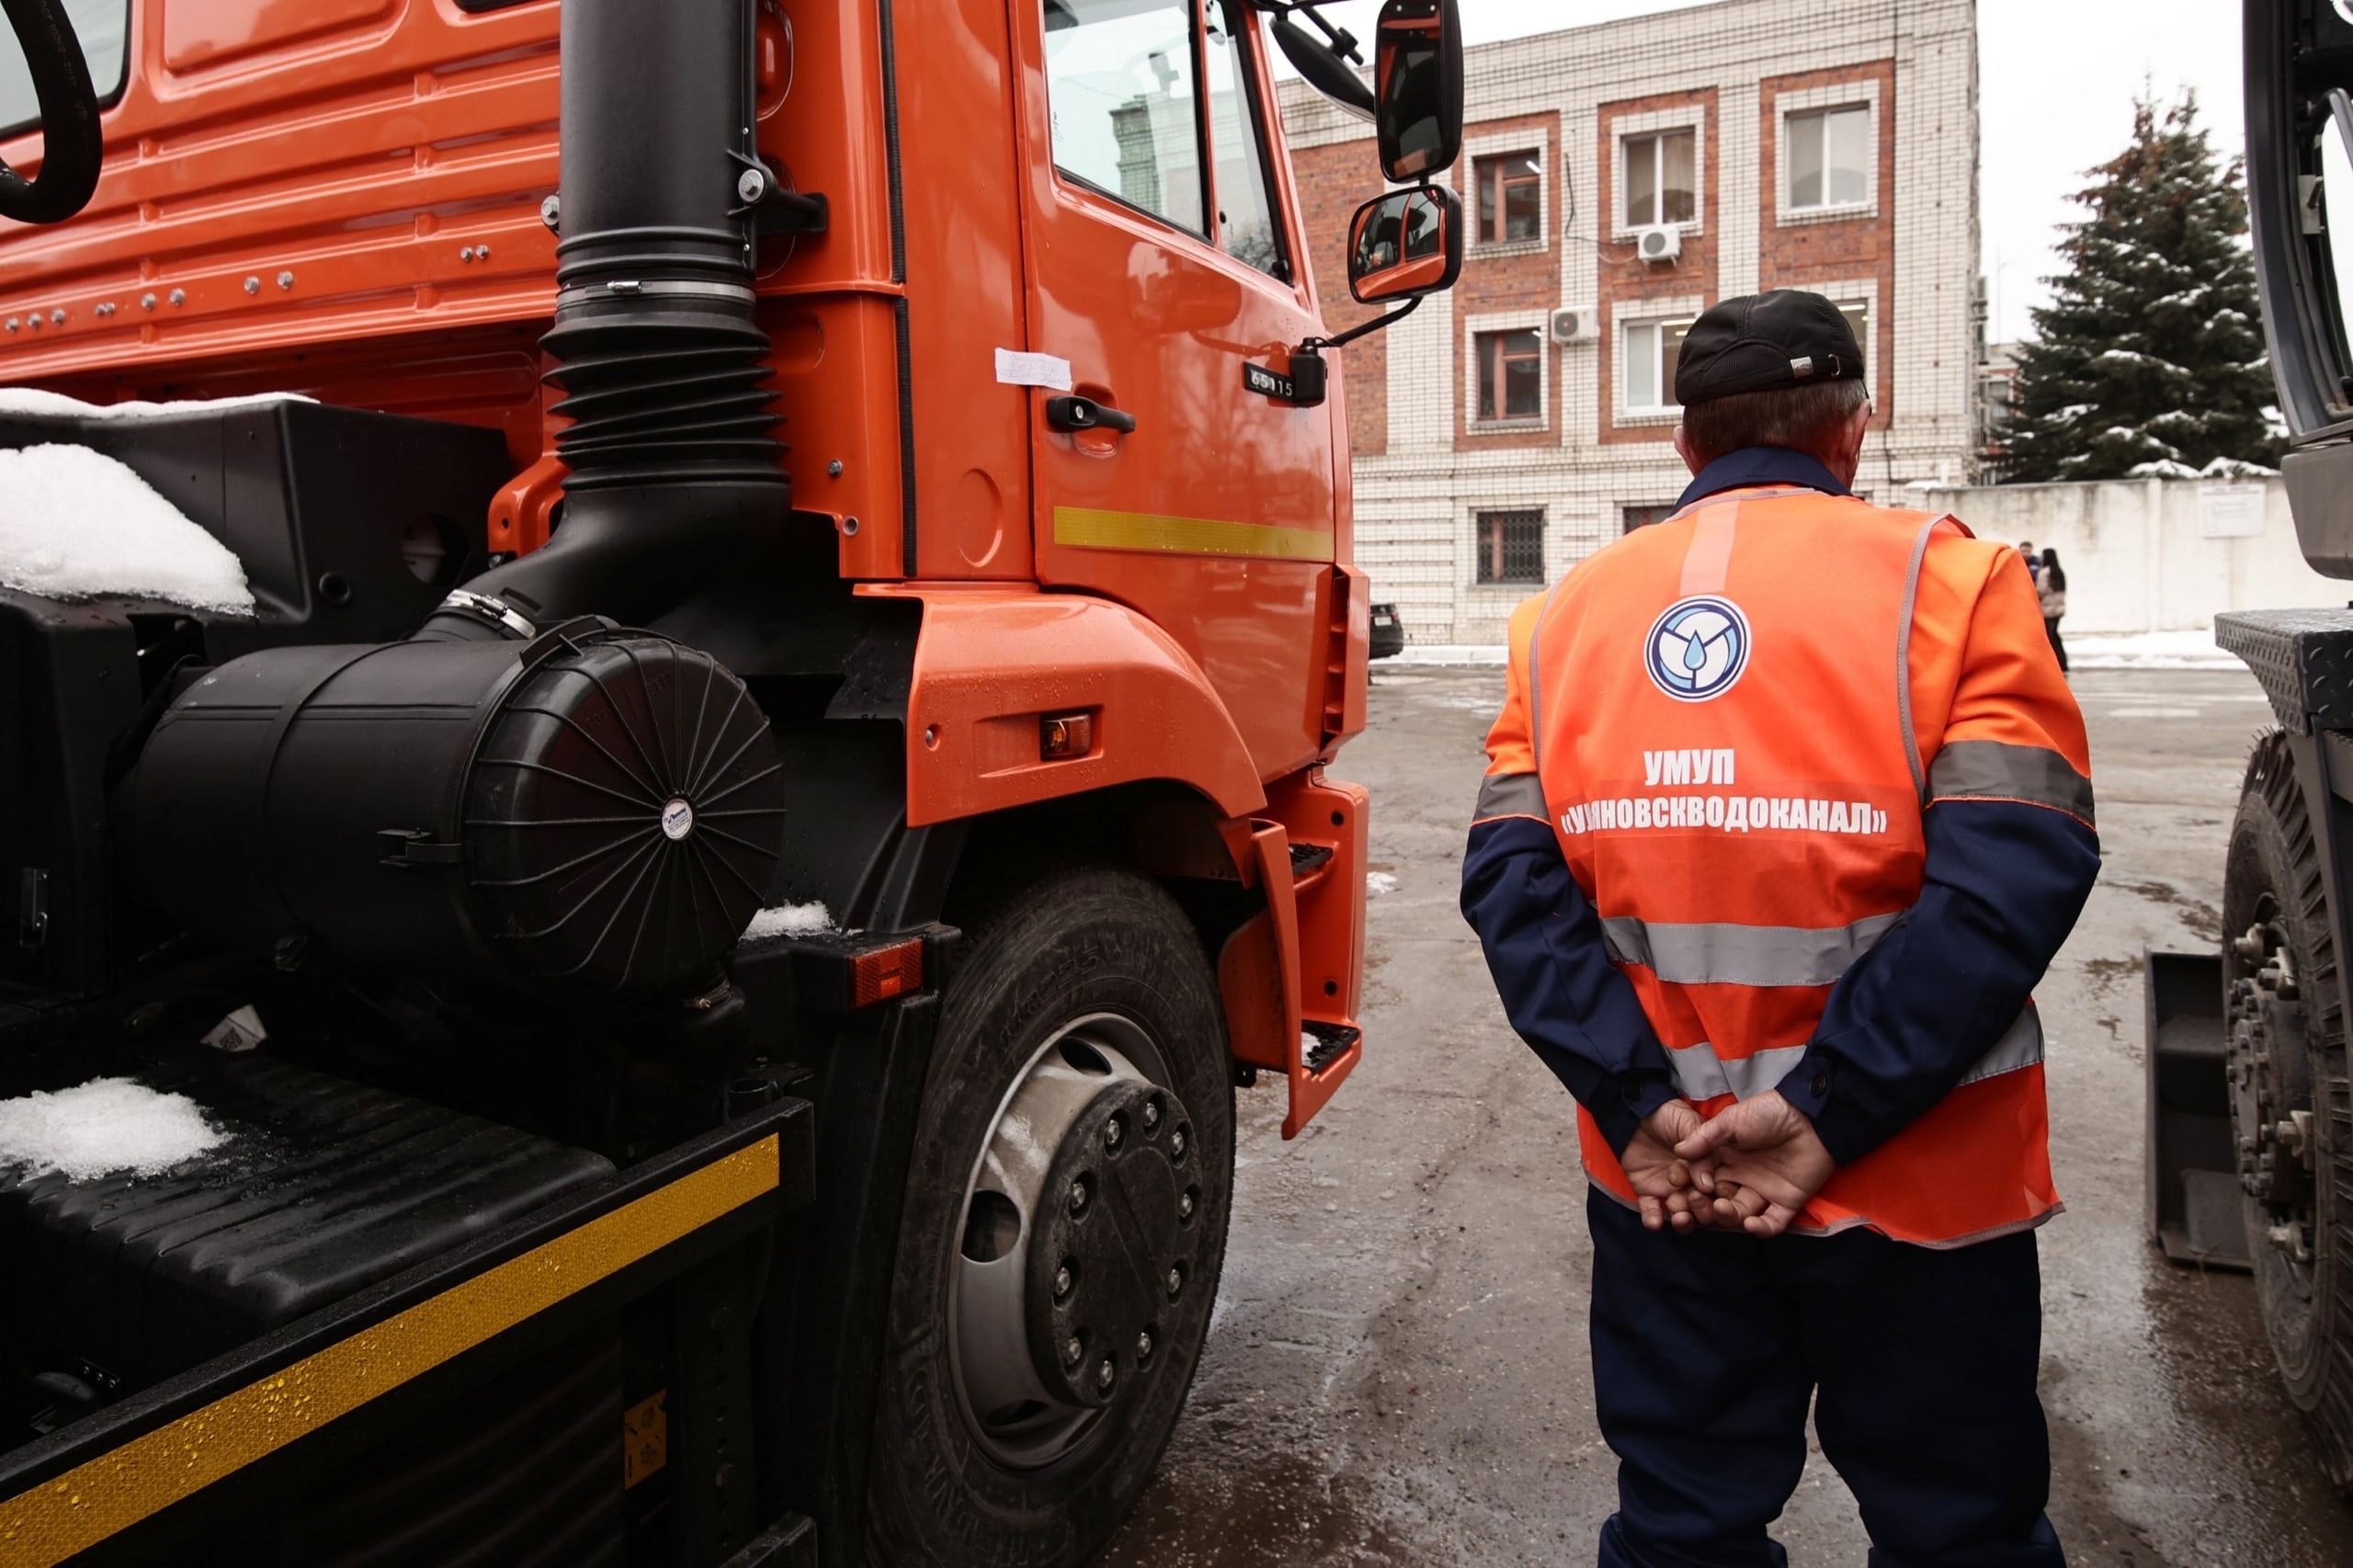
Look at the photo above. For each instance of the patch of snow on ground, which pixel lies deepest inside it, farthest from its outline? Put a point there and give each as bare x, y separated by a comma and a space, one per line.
789, 920
1448, 653
1378, 882
32, 400
108, 1126
75, 524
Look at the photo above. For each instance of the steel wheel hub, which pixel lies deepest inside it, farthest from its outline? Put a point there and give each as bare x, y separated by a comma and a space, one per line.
1081, 1244
2271, 1091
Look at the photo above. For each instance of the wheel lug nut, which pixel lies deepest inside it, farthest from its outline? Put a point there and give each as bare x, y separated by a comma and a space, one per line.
1177, 1142
1112, 1132
1073, 1350
1151, 1115
1062, 1282
1144, 1345
1105, 1374
1176, 1280
1185, 1207
1077, 1197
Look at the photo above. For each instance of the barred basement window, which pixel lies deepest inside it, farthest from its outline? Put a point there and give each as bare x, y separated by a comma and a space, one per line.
1511, 546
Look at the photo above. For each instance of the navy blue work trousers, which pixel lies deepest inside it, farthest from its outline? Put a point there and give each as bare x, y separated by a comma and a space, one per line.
1920, 1365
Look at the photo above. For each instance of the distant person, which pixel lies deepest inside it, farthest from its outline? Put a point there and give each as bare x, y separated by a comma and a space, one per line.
2051, 584
2033, 561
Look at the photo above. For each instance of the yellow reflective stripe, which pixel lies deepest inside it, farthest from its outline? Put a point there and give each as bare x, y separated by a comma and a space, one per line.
149, 1473
1091, 528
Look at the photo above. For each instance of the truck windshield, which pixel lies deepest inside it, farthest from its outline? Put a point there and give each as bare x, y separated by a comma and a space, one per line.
102, 25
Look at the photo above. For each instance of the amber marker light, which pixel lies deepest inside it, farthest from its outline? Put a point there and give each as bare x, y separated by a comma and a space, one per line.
1062, 735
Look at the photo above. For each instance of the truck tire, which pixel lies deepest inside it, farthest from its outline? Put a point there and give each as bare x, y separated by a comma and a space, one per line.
1072, 1175
2289, 1096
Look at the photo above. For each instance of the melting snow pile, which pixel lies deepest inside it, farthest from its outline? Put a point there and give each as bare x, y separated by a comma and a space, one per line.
1378, 882
108, 1126
75, 524
789, 920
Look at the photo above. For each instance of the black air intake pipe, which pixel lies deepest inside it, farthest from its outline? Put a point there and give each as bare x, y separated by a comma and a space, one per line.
524, 793
662, 365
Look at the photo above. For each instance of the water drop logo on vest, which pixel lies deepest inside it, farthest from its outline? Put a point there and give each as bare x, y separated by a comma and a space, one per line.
1698, 649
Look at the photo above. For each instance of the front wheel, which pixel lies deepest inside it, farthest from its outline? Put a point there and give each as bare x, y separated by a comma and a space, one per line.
1063, 1230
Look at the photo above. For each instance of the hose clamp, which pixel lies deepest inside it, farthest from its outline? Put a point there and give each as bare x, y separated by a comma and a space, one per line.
499, 612
637, 289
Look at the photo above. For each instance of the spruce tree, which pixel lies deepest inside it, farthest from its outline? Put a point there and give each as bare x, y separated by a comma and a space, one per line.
2150, 358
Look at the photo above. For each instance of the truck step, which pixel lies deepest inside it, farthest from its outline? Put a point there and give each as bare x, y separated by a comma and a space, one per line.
1331, 1041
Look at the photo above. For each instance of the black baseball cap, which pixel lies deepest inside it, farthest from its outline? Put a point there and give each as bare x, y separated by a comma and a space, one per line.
1768, 342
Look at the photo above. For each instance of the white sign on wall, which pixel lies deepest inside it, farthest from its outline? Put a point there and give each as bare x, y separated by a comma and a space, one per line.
2229, 511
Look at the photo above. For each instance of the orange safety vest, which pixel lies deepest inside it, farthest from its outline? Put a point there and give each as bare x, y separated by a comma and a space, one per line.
1734, 715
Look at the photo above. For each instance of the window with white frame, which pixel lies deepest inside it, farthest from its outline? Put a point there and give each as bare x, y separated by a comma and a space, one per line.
1650, 352
1828, 157
1858, 316
1661, 170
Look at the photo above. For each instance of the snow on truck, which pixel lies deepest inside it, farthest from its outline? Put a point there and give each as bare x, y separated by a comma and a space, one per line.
662, 757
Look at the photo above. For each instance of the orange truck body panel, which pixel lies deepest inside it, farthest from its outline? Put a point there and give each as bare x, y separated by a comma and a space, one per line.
342, 198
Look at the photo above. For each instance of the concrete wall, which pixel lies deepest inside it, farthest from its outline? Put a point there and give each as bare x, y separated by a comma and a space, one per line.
2138, 552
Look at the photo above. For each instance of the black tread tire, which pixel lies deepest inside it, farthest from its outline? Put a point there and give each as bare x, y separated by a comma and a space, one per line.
1081, 940
2273, 852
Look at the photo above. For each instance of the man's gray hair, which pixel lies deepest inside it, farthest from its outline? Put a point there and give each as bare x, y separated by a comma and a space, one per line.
1808, 419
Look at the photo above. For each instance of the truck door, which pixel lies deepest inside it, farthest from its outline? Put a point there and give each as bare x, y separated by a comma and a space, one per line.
1162, 261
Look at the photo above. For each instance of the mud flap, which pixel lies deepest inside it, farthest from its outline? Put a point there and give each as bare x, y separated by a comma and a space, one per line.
2195, 1208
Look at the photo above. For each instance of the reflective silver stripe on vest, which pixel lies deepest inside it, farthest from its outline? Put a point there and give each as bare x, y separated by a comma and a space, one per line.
1703, 1075
1536, 680
2020, 1046
1510, 795
1903, 652
1994, 771
1741, 955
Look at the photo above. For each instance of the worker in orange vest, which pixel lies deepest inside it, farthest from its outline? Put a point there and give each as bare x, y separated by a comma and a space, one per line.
1786, 810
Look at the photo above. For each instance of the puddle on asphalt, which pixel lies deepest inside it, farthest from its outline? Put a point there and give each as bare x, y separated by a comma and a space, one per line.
2196, 914
1250, 1508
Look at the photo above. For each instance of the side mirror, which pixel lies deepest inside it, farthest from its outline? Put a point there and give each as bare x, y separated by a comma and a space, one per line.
1418, 87
1405, 244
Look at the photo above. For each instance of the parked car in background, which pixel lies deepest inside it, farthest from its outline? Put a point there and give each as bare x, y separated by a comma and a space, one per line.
1388, 632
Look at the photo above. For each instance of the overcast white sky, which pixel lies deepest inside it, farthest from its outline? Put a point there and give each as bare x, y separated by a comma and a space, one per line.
2057, 79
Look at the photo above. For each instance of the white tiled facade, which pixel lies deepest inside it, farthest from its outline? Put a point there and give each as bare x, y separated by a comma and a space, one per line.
1424, 470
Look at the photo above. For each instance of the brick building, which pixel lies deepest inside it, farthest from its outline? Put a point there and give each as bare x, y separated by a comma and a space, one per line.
1514, 427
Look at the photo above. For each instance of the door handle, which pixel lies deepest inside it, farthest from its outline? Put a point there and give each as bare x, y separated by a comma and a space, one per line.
1085, 414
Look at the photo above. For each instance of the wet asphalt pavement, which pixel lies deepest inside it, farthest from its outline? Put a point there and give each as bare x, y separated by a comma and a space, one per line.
1398, 1374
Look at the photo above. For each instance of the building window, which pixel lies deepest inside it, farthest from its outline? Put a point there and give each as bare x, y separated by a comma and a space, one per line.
1858, 322
1660, 177
1653, 347
1511, 546
1511, 198
1119, 88
1633, 517
1511, 375
1829, 157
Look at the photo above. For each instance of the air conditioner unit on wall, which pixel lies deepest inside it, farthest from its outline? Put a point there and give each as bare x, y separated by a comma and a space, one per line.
1664, 242
1576, 324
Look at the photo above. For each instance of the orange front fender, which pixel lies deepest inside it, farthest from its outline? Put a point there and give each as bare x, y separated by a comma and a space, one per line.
994, 660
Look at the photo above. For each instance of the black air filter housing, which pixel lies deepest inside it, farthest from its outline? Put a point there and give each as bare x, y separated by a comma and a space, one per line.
592, 814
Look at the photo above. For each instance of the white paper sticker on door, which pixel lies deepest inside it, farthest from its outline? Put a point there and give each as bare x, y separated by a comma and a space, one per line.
1015, 368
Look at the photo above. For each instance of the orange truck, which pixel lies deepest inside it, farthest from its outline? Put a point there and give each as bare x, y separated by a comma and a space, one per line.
668, 672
